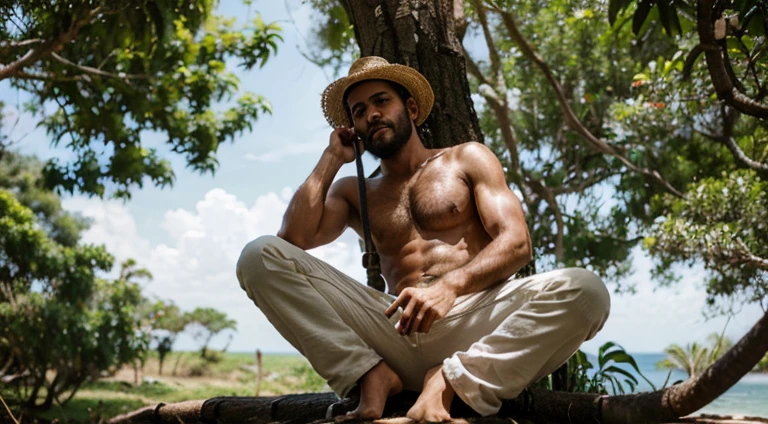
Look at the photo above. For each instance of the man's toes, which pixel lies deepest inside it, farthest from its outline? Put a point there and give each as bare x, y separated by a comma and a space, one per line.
357, 415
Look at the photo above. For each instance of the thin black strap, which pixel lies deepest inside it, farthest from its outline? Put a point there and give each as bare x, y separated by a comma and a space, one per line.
370, 257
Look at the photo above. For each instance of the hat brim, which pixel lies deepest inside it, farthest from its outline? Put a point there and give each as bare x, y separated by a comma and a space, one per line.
336, 111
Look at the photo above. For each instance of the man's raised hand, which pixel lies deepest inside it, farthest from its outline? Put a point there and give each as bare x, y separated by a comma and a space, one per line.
421, 307
340, 144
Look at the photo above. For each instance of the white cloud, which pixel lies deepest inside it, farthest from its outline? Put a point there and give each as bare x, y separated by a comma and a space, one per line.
287, 150
197, 267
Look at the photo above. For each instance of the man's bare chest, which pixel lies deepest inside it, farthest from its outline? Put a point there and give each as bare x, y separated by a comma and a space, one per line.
432, 201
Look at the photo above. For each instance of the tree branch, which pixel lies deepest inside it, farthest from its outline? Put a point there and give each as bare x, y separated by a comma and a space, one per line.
497, 100
742, 158
47, 47
546, 193
569, 115
727, 139
575, 187
94, 71
724, 86
492, 52
753, 259
50, 77
498, 104
5, 46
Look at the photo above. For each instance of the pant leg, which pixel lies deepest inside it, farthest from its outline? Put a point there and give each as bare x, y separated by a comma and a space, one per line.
337, 323
515, 333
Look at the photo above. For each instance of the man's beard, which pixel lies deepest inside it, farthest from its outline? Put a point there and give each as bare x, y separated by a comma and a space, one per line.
386, 149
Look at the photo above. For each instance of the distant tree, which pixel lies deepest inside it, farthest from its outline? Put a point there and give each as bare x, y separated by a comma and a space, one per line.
61, 324
167, 322
695, 358
207, 323
102, 74
129, 273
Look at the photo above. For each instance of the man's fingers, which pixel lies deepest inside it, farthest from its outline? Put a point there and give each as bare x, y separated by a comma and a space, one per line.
426, 325
404, 296
422, 319
405, 319
415, 321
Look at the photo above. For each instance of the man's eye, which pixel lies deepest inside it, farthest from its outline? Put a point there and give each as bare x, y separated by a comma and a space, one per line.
382, 100
358, 112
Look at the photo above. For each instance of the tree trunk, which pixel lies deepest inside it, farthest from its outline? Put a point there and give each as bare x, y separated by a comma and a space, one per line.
422, 35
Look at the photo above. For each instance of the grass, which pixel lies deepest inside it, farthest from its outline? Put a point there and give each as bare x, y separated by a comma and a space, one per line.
232, 374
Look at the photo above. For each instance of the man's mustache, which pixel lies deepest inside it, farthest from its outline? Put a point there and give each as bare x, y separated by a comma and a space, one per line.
369, 136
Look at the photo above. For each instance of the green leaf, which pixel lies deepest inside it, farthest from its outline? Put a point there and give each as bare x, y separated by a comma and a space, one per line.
643, 8
616, 370
614, 7
669, 18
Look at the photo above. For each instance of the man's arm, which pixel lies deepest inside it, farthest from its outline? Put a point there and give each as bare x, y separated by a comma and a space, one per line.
319, 212
502, 216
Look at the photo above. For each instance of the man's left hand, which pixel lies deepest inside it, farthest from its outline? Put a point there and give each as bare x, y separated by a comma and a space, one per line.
422, 307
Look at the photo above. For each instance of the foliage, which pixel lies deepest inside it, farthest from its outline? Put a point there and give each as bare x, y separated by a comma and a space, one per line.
583, 377
727, 240
762, 366
695, 358
208, 322
645, 128
102, 75
166, 322
717, 151
101, 400
63, 325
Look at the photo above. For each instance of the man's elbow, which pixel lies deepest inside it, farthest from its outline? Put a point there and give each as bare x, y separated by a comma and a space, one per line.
293, 238
522, 249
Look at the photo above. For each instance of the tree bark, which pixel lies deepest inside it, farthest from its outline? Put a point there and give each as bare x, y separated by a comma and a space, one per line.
422, 34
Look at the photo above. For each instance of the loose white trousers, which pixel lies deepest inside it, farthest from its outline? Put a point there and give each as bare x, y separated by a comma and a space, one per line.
492, 343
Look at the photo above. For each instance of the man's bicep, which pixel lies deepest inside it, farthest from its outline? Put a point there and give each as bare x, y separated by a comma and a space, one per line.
335, 218
499, 208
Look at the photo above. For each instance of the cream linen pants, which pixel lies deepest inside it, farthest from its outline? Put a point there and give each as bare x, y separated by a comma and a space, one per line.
492, 343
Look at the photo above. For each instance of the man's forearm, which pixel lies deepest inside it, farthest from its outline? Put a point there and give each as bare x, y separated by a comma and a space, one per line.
500, 259
302, 218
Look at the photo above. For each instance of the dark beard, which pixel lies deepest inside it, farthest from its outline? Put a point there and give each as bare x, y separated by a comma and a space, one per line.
386, 149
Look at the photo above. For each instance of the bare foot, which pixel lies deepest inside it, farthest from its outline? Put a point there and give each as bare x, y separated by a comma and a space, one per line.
434, 403
379, 383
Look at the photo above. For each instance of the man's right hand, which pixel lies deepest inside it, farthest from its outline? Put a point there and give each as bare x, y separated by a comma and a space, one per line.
340, 144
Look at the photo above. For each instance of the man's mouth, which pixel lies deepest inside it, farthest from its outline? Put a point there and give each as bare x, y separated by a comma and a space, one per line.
375, 131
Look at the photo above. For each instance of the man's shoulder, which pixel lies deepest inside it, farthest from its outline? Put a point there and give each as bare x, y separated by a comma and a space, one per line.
471, 148
473, 154
344, 187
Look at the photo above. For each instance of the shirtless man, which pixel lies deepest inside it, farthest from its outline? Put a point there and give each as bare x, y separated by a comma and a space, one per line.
450, 235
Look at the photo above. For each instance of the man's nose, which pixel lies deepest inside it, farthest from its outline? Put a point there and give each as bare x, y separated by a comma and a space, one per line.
373, 115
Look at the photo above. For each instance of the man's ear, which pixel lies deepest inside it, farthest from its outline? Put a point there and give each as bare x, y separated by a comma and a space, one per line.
413, 108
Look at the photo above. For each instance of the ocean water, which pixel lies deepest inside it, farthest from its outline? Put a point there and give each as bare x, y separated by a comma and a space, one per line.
747, 397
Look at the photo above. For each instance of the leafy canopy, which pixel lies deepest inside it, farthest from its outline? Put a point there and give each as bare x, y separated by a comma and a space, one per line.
103, 75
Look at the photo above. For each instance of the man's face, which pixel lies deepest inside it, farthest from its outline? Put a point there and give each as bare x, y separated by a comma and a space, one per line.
380, 118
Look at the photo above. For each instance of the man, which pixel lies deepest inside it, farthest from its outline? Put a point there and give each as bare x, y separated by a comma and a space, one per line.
450, 235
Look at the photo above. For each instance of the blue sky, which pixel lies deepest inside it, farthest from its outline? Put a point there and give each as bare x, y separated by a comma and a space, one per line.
190, 236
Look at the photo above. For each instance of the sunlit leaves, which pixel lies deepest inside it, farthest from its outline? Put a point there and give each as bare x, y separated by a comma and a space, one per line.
723, 222
61, 323
133, 70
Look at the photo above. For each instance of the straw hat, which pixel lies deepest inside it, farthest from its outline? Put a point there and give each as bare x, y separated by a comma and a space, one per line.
376, 68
